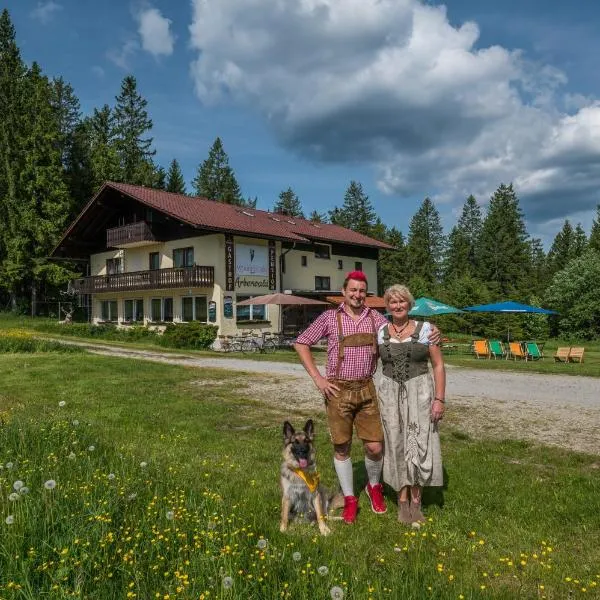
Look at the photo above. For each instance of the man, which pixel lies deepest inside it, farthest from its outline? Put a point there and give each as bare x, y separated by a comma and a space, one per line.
348, 389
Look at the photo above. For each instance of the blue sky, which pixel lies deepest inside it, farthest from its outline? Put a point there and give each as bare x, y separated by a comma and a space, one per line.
412, 99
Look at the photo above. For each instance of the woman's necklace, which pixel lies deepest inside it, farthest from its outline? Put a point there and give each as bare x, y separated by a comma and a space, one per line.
398, 332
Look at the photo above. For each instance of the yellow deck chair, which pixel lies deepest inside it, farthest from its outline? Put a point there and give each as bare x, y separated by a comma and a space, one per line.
562, 354
516, 351
576, 354
481, 348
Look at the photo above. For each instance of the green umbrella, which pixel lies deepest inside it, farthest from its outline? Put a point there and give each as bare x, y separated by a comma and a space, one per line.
427, 307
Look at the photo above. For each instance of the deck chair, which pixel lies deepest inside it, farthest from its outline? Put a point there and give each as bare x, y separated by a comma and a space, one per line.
576, 354
481, 348
562, 354
516, 351
497, 349
533, 351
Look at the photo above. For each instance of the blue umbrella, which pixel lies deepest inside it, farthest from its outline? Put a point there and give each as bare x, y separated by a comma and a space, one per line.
510, 307
426, 307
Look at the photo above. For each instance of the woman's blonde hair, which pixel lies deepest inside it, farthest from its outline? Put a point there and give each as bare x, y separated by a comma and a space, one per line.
400, 291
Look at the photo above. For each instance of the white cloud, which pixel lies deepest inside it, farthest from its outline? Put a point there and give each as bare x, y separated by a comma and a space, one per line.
394, 84
155, 31
122, 56
44, 11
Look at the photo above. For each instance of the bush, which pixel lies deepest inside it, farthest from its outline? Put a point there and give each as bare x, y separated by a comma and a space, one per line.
105, 331
189, 335
16, 343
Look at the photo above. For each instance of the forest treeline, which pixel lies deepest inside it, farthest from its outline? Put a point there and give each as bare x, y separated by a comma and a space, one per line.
53, 159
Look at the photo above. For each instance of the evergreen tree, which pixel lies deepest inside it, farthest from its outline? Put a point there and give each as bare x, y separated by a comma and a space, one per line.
392, 264
594, 241
250, 202
461, 258
580, 241
357, 212
503, 251
215, 179
289, 204
563, 249
175, 181
104, 157
538, 275
159, 179
132, 124
426, 244
68, 115
317, 217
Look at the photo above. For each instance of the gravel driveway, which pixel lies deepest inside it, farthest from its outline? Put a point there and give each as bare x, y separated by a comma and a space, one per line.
552, 409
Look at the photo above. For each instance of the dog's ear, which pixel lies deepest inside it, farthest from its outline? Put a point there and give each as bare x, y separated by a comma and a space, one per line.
288, 431
309, 429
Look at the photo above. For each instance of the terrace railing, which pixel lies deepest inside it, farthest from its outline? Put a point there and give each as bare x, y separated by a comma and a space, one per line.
186, 277
134, 234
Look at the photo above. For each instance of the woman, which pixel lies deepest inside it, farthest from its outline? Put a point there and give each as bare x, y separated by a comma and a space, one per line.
411, 404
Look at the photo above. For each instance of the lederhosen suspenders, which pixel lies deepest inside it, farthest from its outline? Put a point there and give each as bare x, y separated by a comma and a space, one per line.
355, 339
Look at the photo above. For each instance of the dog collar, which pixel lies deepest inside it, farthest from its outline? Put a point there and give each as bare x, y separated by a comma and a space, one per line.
311, 479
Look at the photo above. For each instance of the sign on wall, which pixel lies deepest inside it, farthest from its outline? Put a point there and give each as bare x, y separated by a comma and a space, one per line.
228, 307
272, 266
229, 263
212, 311
252, 268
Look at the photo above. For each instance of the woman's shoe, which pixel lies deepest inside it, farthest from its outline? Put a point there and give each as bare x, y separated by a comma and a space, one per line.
404, 515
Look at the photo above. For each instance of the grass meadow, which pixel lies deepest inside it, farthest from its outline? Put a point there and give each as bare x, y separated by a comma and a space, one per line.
128, 479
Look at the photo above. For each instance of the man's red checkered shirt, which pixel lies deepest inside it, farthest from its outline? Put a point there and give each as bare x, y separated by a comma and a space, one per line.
358, 362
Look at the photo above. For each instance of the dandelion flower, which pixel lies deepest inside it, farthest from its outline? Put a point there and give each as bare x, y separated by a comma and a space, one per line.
24, 490
132, 496
17, 485
323, 570
110, 476
170, 515
261, 544
71, 456
9, 520
9, 465
50, 484
336, 593
297, 556
227, 583
91, 448
75, 422
62, 403
143, 464
14, 496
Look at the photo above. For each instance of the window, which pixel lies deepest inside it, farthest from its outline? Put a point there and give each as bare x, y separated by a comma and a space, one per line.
161, 309
322, 283
154, 261
254, 312
358, 266
134, 310
322, 251
114, 266
194, 309
303, 260
183, 257
108, 310
340, 264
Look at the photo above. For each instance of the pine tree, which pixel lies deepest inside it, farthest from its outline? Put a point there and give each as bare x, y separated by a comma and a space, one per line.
357, 212
580, 241
503, 253
539, 274
317, 217
104, 157
426, 244
131, 125
289, 204
562, 250
392, 267
594, 241
175, 181
215, 179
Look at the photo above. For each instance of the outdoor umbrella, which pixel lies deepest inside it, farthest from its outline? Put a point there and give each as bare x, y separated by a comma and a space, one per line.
427, 307
510, 307
280, 300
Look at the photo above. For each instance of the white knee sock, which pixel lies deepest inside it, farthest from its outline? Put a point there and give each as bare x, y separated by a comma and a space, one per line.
343, 468
374, 468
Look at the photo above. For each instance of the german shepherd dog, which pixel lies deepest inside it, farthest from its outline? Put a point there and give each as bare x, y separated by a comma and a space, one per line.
302, 494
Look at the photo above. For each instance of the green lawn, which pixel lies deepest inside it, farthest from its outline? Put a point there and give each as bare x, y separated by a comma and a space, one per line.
167, 481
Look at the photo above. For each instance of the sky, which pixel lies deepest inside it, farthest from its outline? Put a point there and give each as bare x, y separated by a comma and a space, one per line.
413, 99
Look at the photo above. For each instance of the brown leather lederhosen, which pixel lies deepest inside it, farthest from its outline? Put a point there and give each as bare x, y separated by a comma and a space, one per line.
356, 402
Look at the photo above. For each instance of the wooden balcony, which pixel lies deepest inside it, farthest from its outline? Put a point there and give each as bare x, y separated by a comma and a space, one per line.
130, 236
159, 279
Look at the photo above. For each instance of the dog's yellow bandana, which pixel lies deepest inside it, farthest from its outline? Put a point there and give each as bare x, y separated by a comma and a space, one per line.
311, 479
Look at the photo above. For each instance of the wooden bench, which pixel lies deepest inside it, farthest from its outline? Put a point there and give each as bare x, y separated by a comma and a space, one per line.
562, 354
576, 354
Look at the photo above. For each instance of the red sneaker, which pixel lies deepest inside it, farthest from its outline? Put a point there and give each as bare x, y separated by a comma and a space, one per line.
375, 493
350, 509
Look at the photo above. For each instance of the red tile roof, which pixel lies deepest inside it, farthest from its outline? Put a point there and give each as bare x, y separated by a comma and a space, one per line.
226, 217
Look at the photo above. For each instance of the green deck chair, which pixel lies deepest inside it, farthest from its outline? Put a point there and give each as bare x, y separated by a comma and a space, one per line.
497, 349
533, 351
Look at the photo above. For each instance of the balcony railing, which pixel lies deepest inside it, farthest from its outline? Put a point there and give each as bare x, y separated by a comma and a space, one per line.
186, 277
134, 234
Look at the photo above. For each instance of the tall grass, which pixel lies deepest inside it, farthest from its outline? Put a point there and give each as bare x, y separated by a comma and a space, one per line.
166, 487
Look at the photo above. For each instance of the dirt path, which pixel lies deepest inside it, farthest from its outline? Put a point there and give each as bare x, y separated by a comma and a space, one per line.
551, 409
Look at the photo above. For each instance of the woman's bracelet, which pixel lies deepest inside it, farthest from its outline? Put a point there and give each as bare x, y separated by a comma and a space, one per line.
440, 400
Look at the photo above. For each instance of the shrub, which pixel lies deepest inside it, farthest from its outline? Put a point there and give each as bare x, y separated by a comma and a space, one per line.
188, 335
23, 343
